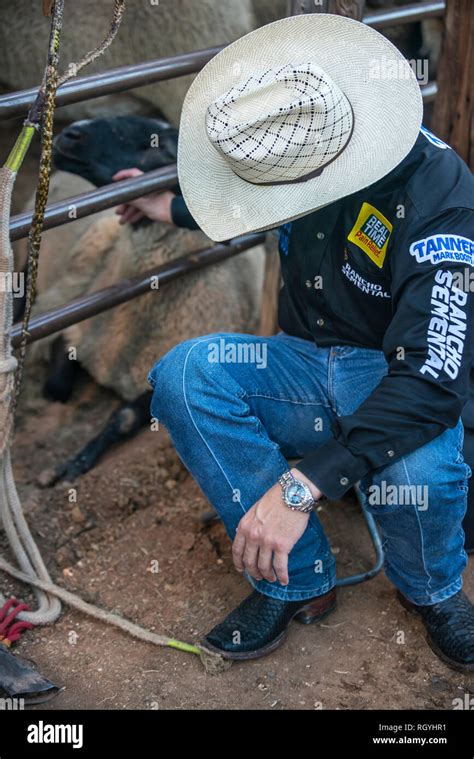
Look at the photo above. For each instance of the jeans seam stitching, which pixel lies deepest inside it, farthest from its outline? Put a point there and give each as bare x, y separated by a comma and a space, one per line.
198, 342
420, 529
286, 400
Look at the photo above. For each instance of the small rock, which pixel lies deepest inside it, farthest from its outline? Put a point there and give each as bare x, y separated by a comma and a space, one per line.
170, 484
77, 515
65, 556
175, 469
439, 684
47, 477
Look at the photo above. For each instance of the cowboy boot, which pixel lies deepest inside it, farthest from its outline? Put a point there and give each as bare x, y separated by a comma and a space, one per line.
450, 626
260, 623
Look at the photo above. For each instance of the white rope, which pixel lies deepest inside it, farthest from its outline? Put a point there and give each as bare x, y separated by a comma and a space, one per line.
8, 365
13, 521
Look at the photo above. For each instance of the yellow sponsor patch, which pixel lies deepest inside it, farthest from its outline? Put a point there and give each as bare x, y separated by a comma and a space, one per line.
371, 233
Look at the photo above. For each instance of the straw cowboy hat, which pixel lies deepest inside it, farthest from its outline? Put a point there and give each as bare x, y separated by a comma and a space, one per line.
291, 117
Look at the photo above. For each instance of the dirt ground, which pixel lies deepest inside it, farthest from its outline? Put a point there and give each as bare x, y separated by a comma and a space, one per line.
140, 506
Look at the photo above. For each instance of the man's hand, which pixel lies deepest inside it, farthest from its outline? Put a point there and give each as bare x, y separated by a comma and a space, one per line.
267, 533
156, 206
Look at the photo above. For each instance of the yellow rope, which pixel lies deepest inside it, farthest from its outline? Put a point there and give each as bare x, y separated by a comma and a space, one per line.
20, 148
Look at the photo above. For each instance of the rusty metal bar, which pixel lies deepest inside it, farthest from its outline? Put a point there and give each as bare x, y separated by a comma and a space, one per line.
129, 77
108, 82
407, 14
95, 303
88, 203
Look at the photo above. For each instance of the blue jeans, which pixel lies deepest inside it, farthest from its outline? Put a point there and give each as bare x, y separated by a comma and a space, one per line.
238, 406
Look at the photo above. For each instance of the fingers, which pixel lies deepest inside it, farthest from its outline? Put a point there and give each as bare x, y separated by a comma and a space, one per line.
126, 174
262, 555
129, 214
264, 564
249, 555
238, 547
250, 559
135, 215
280, 565
245, 554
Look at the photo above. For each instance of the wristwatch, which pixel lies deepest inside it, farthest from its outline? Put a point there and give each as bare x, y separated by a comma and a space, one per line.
296, 494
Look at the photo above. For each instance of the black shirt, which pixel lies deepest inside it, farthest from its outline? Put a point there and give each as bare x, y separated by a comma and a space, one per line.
390, 267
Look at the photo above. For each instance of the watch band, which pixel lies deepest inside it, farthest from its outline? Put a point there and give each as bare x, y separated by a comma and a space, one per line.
285, 480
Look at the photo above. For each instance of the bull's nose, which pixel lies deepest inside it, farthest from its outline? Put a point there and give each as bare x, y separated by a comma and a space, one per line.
73, 133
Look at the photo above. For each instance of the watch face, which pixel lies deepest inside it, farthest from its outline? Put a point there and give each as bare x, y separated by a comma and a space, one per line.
295, 493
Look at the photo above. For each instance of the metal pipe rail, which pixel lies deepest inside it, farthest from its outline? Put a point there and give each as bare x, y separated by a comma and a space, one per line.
407, 14
102, 300
125, 78
91, 202
109, 82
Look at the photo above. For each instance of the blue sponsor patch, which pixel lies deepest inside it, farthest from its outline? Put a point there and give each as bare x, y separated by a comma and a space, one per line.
433, 139
284, 241
440, 248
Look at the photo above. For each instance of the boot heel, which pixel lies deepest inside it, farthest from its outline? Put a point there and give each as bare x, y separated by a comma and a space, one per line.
316, 610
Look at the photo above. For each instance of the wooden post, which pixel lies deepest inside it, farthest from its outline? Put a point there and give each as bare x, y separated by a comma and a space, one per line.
272, 282
453, 117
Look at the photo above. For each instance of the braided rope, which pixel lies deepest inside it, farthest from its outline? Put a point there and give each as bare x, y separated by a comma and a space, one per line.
46, 98
74, 68
43, 113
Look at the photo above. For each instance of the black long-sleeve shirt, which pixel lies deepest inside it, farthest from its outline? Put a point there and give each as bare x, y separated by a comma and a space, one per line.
390, 267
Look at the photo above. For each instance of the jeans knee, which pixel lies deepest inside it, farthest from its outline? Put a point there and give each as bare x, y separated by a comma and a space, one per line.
174, 375
434, 475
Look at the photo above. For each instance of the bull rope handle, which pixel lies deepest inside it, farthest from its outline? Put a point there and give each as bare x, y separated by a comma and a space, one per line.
33, 571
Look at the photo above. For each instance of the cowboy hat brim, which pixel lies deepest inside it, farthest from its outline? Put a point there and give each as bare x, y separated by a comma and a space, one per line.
379, 83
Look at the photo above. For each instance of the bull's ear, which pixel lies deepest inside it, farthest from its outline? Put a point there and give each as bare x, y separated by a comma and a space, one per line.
169, 144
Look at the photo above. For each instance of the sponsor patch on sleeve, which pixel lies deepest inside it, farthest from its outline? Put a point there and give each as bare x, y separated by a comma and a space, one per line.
284, 240
433, 139
440, 248
371, 233
447, 327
